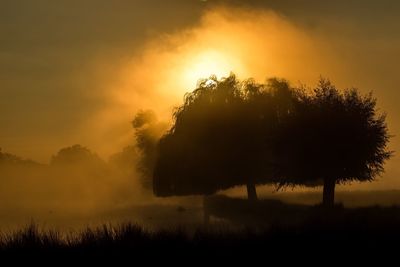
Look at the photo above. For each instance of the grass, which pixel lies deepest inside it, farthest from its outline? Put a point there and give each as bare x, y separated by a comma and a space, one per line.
350, 230
315, 230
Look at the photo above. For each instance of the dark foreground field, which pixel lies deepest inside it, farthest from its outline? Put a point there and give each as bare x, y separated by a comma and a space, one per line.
269, 226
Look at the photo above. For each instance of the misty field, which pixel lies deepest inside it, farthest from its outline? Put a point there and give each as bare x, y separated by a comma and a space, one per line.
234, 225
167, 213
365, 228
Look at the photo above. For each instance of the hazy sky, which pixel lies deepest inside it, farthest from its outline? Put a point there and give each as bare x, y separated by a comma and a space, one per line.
77, 71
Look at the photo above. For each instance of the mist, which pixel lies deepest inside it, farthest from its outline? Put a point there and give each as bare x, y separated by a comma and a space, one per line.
256, 44
87, 90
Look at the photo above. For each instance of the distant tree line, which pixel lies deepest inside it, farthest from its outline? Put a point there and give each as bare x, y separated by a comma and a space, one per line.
7, 159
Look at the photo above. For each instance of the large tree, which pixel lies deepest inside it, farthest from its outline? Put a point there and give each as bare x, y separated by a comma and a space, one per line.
222, 137
230, 133
331, 137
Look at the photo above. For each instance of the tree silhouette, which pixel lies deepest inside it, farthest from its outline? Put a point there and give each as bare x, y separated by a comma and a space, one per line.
148, 131
230, 133
222, 137
76, 155
331, 137
10, 159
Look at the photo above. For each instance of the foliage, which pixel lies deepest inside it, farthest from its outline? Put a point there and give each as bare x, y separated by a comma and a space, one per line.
230, 133
332, 134
222, 136
10, 159
148, 131
75, 154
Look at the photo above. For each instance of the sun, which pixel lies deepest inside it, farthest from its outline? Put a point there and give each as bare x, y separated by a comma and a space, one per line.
204, 64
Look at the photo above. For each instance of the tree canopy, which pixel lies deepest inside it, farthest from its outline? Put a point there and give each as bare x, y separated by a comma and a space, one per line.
332, 137
76, 155
11, 159
221, 137
230, 132
148, 130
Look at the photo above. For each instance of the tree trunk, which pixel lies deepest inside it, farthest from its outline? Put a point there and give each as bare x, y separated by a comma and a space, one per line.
251, 192
328, 198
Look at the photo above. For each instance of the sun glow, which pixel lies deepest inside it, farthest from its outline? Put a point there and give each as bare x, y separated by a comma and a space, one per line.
205, 64
225, 41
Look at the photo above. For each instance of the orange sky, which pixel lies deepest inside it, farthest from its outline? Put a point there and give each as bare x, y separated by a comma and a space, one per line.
76, 73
